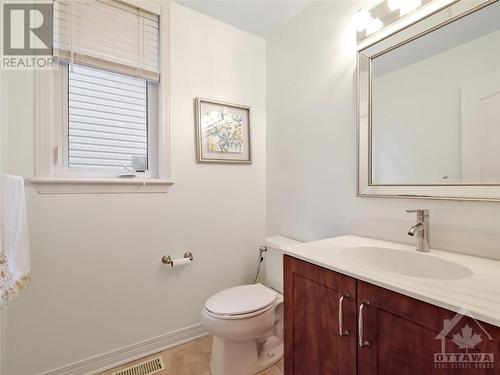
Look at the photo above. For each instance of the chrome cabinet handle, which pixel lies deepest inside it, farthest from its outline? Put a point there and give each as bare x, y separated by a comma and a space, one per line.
342, 332
362, 342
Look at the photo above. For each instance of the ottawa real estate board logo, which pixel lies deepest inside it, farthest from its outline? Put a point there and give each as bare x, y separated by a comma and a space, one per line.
27, 35
464, 351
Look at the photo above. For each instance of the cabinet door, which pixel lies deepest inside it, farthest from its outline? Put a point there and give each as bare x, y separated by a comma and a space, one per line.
402, 335
313, 343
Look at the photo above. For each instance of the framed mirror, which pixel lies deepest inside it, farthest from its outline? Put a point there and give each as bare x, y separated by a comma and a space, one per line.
429, 107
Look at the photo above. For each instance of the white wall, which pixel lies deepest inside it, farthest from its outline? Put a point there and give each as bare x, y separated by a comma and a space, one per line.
3, 143
3, 115
98, 283
3, 128
311, 136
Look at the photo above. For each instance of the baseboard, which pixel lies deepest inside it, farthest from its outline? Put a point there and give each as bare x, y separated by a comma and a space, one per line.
106, 361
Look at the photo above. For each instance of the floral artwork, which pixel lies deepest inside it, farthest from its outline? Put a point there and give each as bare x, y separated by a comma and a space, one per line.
224, 131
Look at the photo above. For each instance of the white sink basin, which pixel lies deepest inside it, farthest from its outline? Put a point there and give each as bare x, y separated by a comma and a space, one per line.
402, 262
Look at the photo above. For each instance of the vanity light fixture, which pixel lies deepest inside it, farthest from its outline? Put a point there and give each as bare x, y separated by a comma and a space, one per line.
394, 4
361, 19
389, 16
364, 21
374, 25
404, 6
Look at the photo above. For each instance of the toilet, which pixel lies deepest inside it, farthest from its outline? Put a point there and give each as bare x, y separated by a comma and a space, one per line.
246, 321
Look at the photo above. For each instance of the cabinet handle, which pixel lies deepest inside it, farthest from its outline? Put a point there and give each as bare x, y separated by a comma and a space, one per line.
362, 342
342, 332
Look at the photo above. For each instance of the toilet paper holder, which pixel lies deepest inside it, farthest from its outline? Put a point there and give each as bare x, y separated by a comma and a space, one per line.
167, 259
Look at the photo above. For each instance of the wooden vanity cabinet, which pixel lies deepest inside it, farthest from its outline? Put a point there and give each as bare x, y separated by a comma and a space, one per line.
314, 299
391, 334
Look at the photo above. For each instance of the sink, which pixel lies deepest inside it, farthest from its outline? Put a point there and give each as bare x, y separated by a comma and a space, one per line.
403, 262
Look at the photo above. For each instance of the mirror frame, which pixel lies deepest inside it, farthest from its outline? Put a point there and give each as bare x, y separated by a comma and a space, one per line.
365, 186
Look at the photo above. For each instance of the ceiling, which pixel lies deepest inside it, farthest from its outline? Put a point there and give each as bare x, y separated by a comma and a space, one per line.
259, 17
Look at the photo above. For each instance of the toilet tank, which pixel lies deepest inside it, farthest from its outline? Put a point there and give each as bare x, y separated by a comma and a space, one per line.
273, 261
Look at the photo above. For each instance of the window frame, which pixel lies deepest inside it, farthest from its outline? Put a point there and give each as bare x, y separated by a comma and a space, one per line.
52, 175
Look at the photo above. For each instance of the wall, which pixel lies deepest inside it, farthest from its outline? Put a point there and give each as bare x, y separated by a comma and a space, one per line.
3, 128
3, 115
98, 283
311, 136
3, 136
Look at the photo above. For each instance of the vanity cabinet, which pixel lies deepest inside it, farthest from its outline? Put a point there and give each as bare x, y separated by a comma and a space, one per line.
318, 303
388, 333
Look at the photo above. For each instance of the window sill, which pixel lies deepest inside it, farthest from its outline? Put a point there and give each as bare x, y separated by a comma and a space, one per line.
99, 186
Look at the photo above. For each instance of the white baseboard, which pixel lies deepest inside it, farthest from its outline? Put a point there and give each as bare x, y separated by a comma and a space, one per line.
118, 357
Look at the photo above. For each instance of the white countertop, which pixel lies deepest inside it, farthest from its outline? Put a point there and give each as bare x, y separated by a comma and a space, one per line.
478, 293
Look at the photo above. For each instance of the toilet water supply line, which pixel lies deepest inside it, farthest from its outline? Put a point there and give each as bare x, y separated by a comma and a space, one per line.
262, 249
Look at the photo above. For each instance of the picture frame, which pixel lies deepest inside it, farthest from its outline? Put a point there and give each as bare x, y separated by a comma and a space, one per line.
223, 132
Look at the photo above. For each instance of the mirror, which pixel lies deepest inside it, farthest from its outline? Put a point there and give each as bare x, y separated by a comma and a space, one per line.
429, 102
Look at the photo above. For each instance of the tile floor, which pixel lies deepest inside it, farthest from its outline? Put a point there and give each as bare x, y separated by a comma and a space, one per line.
193, 358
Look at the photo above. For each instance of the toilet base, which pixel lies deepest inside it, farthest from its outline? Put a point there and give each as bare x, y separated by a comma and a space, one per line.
244, 357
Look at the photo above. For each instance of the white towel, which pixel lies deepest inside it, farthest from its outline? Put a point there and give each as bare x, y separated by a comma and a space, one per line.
14, 242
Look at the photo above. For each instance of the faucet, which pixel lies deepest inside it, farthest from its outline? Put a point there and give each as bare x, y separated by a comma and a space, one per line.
421, 229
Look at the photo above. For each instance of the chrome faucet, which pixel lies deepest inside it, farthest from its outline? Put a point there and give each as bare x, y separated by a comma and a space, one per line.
421, 229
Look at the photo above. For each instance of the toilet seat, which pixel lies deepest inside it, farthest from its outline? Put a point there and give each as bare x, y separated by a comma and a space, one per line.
241, 302
238, 317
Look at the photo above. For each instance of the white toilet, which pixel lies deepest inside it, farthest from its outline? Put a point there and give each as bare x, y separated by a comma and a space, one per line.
247, 321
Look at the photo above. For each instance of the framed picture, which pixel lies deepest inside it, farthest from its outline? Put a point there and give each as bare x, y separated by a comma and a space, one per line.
222, 132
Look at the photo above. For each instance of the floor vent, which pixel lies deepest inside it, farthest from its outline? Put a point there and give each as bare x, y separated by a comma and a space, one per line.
149, 367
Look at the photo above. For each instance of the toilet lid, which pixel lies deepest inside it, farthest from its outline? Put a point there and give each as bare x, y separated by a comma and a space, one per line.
241, 300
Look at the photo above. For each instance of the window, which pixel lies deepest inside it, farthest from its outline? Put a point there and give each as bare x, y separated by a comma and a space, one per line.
99, 112
107, 120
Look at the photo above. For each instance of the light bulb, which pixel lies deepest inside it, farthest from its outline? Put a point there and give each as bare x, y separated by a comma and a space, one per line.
374, 25
408, 6
361, 19
394, 4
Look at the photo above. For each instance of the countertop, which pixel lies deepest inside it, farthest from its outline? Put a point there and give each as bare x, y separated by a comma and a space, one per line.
478, 293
